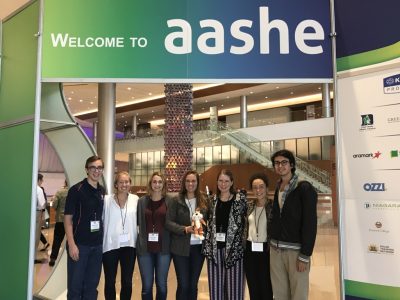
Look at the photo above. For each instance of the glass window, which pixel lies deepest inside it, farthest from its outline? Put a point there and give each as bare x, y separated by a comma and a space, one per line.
144, 161
150, 159
291, 146
226, 154
208, 156
217, 155
138, 160
157, 159
302, 148
234, 155
200, 156
315, 148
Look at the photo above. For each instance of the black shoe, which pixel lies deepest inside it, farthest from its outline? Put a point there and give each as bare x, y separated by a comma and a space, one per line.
39, 261
45, 247
52, 262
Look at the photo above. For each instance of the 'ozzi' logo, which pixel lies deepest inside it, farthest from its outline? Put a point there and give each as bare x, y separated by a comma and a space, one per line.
374, 187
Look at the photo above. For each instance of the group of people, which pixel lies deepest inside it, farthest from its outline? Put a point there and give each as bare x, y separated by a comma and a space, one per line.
267, 243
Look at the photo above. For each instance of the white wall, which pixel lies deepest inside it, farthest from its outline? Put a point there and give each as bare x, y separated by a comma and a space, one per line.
261, 117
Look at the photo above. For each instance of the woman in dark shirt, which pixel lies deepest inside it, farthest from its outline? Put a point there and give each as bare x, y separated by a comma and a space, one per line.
224, 243
153, 238
185, 246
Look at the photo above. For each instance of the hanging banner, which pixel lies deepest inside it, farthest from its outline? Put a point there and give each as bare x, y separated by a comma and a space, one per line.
179, 39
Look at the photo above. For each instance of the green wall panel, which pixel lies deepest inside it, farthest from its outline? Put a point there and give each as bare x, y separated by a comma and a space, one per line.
15, 186
19, 59
17, 101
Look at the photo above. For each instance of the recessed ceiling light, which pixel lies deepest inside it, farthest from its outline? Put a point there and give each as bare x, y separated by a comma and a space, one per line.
291, 93
132, 97
222, 105
72, 92
266, 97
137, 114
122, 116
152, 111
91, 102
150, 94
206, 101
227, 97
251, 92
319, 87
80, 100
128, 88
69, 98
277, 87
203, 108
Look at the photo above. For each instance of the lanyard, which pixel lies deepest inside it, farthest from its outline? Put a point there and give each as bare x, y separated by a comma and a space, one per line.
123, 218
255, 219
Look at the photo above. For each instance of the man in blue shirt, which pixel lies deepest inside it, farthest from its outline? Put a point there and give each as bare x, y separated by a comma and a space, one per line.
84, 230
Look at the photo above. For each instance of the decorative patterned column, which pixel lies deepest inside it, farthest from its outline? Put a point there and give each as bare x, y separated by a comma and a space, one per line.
178, 133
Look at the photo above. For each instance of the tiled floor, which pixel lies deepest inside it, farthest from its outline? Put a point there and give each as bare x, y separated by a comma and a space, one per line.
324, 276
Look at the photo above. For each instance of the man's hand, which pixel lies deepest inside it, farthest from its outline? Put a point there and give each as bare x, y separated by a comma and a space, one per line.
301, 266
73, 252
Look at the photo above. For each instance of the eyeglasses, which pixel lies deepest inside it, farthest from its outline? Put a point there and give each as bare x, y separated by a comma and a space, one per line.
282, 163
94, 169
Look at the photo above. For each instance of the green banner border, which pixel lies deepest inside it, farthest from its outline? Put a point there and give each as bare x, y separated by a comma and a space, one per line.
369, 58
371, 291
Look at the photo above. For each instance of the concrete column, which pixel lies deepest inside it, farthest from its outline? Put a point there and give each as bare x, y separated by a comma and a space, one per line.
106, 131
326, 101
243, 112
134, 126
214, 118
95, 133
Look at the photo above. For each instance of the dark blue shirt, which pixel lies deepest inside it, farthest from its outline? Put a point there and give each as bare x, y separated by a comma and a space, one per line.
85, 204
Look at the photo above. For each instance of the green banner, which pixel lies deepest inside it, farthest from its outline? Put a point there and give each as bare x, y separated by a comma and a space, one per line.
17, 103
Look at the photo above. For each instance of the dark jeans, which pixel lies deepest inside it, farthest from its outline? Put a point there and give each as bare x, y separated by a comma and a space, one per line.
59, 233
188, 269
126, 256
150, 265
256, 267
84, 274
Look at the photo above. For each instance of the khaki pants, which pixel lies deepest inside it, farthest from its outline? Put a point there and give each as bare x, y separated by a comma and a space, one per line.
287, 282
38, 228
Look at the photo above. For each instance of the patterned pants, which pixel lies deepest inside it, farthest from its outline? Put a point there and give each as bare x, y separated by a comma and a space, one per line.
225, 284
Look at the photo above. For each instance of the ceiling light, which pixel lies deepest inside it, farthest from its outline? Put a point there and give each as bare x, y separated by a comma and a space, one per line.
266, 97
80, 100
128, 88
91, 102
150, 94
122, 116
291, 93
133, 97
251, 92
277, 87
69, 98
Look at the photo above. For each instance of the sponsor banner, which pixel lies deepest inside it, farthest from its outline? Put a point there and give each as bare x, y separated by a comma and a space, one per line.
369, 150
181, 39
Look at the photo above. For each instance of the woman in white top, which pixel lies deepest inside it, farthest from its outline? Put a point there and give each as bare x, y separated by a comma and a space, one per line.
120, 235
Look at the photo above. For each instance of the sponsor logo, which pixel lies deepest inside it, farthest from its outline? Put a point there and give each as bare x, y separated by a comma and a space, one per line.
378, 228
380, 249
394, 153
374, 187
391, 84
382, 205
367, 122
393, 120
368, 155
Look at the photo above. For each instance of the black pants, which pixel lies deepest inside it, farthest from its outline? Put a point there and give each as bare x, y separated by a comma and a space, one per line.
126, 256
43, 238
256, 267
59, 233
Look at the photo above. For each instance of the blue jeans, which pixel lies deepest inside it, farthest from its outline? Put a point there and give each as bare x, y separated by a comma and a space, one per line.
188, 269
150, 265
84, 274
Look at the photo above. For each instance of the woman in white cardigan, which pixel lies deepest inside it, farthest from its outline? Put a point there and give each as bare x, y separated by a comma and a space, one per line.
120, 235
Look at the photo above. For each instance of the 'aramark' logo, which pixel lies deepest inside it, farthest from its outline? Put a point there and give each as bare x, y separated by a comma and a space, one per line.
391, 85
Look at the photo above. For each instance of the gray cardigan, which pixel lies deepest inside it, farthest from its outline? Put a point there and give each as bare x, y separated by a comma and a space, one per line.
141, 244
178, 217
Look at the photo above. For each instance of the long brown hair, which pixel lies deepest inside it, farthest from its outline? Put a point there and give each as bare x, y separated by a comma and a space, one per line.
201, 200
